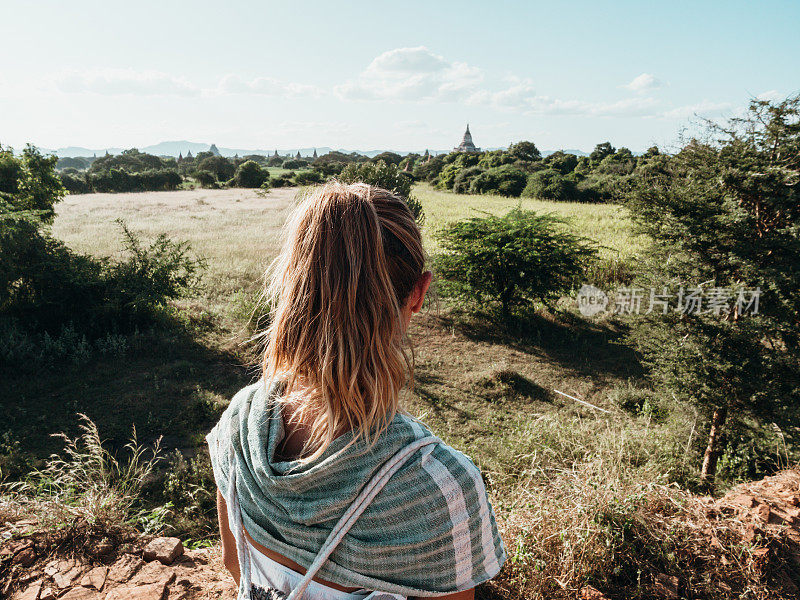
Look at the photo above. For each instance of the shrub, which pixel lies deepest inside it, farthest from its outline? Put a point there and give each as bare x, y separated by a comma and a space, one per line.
250, 175
513, 260
295, 163
205, 179
219, 166
386, 176
506, 180
283, 180
52, 290
75, 183
552, 185
464, 179
561, 161
308, 177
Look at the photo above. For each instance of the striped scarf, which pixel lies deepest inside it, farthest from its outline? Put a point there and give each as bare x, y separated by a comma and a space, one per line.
430, 531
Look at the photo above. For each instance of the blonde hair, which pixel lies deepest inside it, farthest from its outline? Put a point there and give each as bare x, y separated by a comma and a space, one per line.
351, 258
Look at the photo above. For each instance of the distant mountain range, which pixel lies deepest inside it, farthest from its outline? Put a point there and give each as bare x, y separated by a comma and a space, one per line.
183, 147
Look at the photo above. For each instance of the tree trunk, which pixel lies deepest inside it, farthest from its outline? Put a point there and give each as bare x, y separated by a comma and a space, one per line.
709, 469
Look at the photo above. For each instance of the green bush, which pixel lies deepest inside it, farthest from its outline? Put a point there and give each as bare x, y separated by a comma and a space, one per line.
58, 294
308, 177
551, 185
75, 183
295, 163
283, 180
511, 261
386, 176
205, 179
562, 162
506, 180
219, 166
250, 175
464, 179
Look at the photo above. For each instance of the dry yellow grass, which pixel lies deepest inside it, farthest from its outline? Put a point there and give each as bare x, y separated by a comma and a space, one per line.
236, 230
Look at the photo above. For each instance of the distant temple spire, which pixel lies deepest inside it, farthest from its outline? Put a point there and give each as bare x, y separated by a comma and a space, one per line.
315, 153
213, 149
180, 156
298, 155
466, 144
189, 155
276, 152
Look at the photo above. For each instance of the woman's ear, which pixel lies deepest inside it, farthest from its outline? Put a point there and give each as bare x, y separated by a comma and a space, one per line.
419, 291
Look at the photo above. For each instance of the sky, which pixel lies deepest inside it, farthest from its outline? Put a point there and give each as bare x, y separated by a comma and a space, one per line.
404, 75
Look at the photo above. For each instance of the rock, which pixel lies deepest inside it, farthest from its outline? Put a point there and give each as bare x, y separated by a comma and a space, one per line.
152, 591
745, 500
25, 557
47, 594
125, 567
163, 549
763, 512
153, 572
95, 578
65, 579
57, 566
591, 593
29, 593
81, 593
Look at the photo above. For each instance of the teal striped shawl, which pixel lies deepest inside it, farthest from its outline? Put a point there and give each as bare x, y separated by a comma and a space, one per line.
430, 531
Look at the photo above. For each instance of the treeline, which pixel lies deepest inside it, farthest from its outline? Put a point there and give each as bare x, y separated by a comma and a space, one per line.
520, 170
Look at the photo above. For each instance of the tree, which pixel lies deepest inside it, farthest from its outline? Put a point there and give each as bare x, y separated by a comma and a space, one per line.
388, 157
220, 166
250, 175
562, 162
29, 184
727, 211
524, 151
601, 151
386, 176
513, 260
505, 181
550, 184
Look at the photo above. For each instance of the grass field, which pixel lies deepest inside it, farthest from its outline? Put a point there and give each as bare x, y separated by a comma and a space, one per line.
606, 224
278, 171
482, 389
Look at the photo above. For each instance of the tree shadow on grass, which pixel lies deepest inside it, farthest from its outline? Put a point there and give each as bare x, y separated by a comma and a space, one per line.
582, 348
428, 387
167, 384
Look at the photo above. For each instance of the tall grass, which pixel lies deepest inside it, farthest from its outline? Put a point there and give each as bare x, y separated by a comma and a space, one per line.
593, 505
87, 482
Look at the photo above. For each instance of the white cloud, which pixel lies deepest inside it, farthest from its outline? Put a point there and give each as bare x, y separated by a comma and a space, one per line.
412, 74
771, 95
116, 82
643, 83
266, 86
701, 109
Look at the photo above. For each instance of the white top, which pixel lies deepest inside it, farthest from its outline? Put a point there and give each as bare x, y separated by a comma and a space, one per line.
267, 573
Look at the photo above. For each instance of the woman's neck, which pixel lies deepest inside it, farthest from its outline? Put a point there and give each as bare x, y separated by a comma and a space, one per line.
298, 424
